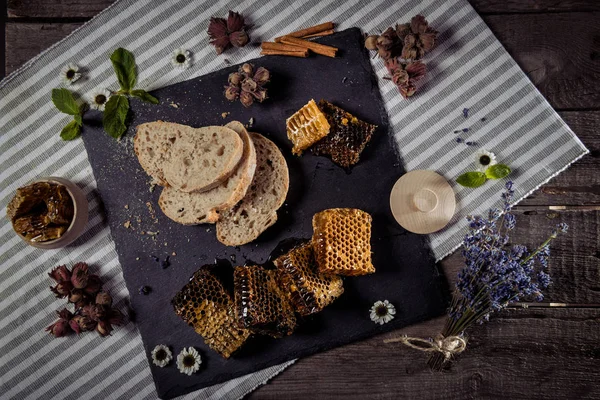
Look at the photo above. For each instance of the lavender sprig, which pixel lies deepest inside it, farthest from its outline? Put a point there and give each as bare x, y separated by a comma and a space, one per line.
495, 274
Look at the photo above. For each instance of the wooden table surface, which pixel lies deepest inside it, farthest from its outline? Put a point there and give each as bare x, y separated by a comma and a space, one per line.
548, 350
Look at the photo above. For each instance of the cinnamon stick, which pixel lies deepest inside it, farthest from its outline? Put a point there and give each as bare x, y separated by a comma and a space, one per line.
308, 31
302, 54
318, 48
281, 47
319, 34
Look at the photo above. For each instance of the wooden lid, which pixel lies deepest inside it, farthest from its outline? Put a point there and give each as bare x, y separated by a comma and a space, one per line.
422, 201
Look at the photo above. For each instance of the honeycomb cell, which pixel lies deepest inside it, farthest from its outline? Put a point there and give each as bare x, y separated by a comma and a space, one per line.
260, 304
306, 127
205, 305
308, 290
347, 137
342, 241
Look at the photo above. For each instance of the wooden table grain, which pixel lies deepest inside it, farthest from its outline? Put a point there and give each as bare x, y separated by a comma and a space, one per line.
549, 350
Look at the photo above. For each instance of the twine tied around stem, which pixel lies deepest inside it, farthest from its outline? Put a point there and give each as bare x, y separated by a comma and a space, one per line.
448, 346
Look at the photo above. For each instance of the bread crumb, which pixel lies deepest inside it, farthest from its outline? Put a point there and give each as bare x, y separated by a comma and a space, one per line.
174, 105
173, 254
127, 224
137, 259
126, 206
224, 115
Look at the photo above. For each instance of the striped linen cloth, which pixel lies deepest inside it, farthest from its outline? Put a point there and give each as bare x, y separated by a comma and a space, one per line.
468, 68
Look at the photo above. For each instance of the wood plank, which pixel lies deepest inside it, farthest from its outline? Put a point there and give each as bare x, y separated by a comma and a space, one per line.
56, 8
575, 256
519, 354
559, 52
25, 41
580, 184
538, 6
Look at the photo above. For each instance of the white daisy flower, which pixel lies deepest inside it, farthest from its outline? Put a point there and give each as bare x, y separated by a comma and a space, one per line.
382, 312
161, 356
99, 98
188, 361
484, 159
70, 73
181, 59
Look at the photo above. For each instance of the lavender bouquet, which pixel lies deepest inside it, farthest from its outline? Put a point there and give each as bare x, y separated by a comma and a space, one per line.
495, 274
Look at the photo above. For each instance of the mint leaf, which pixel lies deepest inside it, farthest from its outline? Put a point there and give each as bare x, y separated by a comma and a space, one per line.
497, 171
471, 179
65, 102
124, 65
144, 96
78, 119
115, 113
70, 131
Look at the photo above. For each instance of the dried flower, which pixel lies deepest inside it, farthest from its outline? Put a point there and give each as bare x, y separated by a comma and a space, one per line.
82, 323
79, 277
94, 284
495, 273
181, 59
247, 85
70, 73
418, 38
60, 328
115, 317
188, 361
382, 312
104, 328
60, 274
104, 299
224, 34
371, 42
62, 290
405, 75
99, 98
161, 356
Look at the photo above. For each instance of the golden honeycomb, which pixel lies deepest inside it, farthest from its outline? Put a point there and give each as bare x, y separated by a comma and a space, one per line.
342, 241
205, 305
347, 137
260, 304
306, 127
308, 290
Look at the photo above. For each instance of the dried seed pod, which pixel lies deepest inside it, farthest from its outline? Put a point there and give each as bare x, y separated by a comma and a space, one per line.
371, 42
239, 38
232, 93
235, 78
246, 99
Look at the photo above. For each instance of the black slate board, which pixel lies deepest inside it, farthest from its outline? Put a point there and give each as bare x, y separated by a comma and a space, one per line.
406, 273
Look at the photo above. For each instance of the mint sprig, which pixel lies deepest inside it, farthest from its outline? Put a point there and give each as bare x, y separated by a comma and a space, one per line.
475, 179
64, 100
116, 109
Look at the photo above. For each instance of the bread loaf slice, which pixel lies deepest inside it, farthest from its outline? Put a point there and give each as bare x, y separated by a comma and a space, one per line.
258, 209
204, 207
186, 158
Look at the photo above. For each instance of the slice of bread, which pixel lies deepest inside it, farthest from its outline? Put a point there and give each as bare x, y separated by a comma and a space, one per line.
191, 160
198, 208
258, 209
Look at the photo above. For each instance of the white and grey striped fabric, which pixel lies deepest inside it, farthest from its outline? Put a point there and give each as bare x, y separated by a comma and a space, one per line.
469, 68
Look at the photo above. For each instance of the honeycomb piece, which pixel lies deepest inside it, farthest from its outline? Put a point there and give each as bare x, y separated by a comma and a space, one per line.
205, 305
341, 240
306, 127
260, 304
347, 137
308, 290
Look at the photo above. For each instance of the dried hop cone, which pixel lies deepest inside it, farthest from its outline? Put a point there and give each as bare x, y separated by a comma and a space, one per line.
227, 33
247, 85
406, 75
418, 38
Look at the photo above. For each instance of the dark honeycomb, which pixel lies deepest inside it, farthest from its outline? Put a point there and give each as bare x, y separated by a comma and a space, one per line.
260, 304
342, 241
205, 305
347, 137
309, 291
